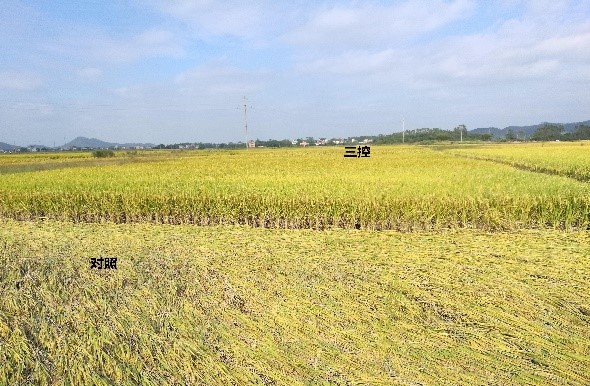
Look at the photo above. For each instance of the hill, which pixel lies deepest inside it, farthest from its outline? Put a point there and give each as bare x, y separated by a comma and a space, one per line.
525, 130
93, 143
6, 147
88, 142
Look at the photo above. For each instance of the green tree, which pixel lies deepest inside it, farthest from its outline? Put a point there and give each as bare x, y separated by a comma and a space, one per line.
510, 136
103, 153
582, 132
548, 132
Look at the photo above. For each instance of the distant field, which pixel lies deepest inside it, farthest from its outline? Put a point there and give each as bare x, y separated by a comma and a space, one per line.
571, 159
236, 305
398, 187
32, 162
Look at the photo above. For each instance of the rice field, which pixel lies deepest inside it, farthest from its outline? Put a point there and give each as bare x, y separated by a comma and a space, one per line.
32, 162
571, 159
251, 306
441, 265
401, 188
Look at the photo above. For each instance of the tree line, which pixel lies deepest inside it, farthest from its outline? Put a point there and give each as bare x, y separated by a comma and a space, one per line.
547, 132
554, 132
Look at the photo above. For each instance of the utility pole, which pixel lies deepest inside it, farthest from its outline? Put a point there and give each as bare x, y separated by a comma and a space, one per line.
461, 128
246, 120
403, 130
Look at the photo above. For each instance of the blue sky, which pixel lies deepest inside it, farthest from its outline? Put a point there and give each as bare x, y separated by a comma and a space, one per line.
166, 71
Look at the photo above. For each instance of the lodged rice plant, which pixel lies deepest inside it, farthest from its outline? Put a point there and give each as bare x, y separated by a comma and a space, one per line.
235, 305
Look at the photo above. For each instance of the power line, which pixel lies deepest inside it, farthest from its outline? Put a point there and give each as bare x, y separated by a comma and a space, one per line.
28, 106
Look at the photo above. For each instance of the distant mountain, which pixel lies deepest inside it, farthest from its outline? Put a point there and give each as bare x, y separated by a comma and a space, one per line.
571, 127
525, 130
7, 147
88, 142
494, 131
93, 143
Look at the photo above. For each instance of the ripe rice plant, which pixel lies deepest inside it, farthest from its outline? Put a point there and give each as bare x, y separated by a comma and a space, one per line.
405, 188
569, 159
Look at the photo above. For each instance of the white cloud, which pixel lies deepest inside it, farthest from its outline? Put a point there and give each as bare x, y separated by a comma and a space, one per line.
89, 73
98, 47
518, 50
573, 46
369, 24
150, 43
123, 92
218, 18
20, 81
368, 38
353, 63
215, 78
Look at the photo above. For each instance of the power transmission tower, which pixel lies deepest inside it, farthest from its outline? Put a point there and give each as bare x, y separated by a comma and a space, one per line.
246, 120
